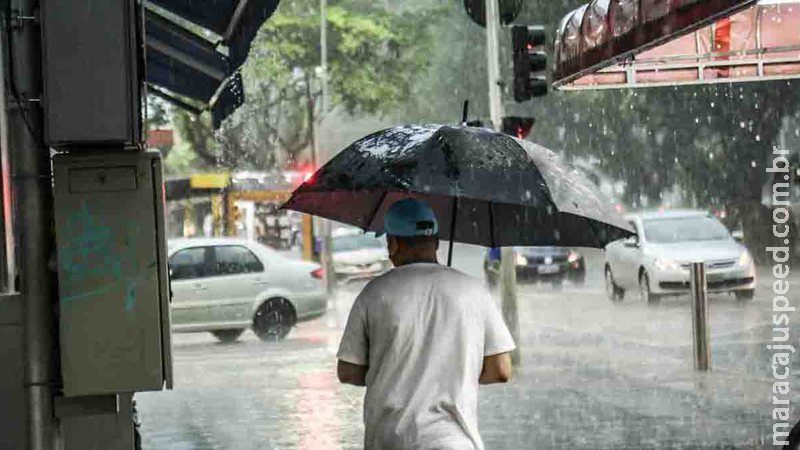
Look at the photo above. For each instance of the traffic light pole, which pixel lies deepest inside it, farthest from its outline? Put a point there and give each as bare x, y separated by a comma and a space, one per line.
33, 202
508, 273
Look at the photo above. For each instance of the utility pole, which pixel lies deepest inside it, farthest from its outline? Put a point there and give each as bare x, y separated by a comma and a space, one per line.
33, 199
508, 273
325, 225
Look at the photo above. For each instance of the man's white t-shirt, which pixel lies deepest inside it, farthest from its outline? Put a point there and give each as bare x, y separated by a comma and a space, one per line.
423, 330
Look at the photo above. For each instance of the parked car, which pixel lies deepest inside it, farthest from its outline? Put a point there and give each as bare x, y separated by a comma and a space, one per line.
553, 264
227, 285
656, 262
357, 255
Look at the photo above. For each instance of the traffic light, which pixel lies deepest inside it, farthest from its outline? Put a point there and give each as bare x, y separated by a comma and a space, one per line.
530, 62
519, 127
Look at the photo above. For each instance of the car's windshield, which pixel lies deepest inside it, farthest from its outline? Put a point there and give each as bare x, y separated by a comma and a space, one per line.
684, 229
357, 242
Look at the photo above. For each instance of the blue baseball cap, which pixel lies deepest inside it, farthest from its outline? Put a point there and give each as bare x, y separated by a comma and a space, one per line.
408, 218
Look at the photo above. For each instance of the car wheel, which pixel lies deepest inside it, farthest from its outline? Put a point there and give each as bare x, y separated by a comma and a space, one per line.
227, 335
613, 292
745, 295
644, 290
273, 320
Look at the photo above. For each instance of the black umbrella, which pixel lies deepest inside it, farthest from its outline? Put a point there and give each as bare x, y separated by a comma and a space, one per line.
486, 188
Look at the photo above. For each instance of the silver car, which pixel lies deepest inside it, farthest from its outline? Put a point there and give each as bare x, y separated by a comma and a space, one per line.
656, 262
357, 255
226, 286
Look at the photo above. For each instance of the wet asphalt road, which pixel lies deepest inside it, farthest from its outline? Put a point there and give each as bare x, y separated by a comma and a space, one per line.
594, 375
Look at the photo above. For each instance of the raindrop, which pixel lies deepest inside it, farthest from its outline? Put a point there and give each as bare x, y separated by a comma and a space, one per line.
753, 164
711, 156
758, 138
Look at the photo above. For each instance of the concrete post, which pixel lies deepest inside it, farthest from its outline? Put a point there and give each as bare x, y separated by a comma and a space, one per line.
700, 328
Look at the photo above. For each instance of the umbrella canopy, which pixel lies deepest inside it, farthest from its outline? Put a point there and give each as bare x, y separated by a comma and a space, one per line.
486, 188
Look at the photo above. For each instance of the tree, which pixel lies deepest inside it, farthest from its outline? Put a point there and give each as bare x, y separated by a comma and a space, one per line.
373, 55
157, 113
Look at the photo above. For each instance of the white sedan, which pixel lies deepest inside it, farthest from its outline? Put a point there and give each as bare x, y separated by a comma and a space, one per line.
357, 255
657, 260
225, 286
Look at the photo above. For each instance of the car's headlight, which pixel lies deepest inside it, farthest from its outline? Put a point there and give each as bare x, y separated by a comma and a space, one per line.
521, 260
573, 257
667, 264
745, 259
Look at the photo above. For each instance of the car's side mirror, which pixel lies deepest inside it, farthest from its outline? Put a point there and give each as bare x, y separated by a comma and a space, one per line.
632, 242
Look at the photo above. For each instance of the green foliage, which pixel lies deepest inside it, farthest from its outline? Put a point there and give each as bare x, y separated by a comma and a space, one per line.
456, 71
373, 56
180, 161
416, 61
157, 113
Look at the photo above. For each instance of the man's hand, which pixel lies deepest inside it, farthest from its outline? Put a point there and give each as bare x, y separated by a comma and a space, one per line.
496, 369
351, 373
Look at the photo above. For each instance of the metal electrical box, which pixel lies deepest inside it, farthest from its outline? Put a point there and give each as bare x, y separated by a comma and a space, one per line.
112, 272
92, 56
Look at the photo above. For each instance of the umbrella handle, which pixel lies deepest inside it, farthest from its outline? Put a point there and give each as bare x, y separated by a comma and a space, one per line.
452, 232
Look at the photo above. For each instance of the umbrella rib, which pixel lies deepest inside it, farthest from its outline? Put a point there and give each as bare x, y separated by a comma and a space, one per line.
376, 209
453, 214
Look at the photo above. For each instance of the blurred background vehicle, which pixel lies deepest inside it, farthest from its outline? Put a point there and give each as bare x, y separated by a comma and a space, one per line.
553, 264
657, 261
358, 255
227, 285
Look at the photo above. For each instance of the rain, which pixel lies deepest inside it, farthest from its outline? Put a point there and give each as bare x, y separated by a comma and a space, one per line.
658, 177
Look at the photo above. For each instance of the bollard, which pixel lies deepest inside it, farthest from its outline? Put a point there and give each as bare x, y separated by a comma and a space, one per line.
700, 329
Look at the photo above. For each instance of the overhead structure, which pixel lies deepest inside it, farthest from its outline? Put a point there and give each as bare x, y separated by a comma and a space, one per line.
194, 53
641, 43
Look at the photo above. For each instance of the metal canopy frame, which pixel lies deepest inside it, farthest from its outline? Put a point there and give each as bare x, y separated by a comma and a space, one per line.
235, 22
194, 54
690, 42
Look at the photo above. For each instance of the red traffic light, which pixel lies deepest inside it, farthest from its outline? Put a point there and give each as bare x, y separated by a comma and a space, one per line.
519, 127
530, 62
527, 37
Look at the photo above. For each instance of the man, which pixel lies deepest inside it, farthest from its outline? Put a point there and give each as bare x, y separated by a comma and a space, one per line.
421, 338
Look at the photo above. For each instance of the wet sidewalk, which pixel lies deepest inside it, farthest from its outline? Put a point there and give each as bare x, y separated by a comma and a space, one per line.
594, 375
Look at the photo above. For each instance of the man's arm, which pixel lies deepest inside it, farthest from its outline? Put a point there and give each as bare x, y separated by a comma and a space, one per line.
353, 354
496, 369
351, 373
